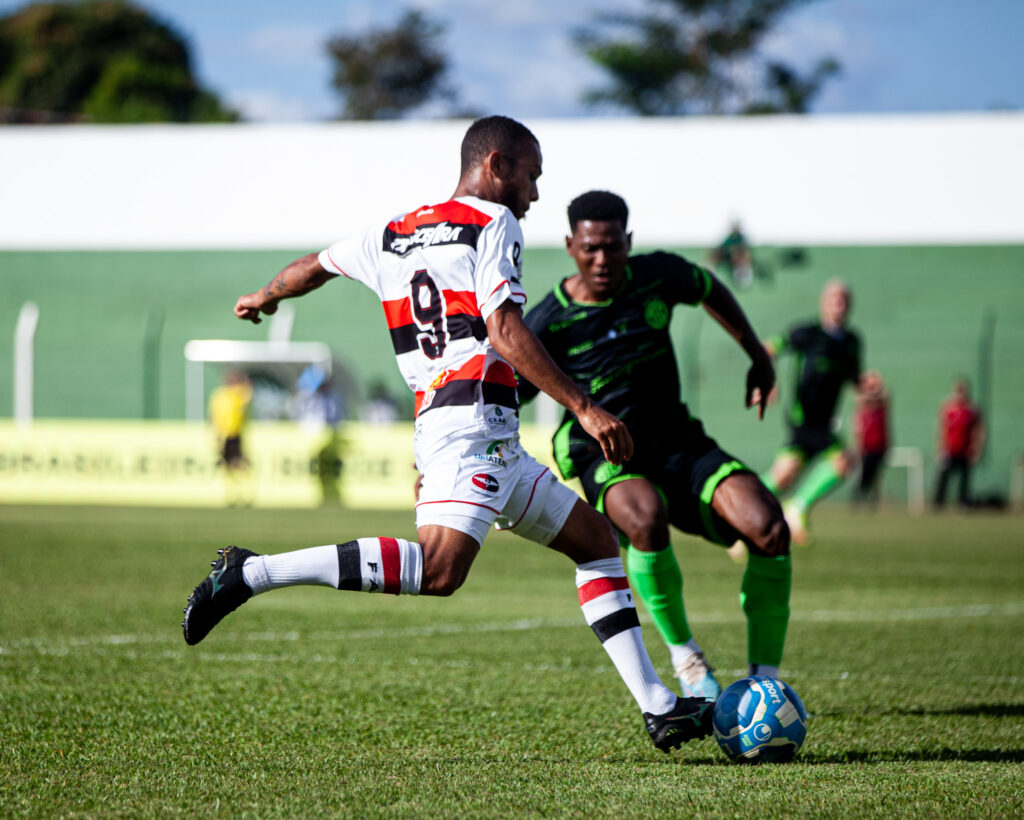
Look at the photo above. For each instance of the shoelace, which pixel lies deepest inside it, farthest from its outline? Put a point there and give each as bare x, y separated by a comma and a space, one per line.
693, 669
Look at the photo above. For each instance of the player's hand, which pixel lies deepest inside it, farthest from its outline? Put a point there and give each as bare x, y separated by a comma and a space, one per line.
609, 431
760, 384
250, 306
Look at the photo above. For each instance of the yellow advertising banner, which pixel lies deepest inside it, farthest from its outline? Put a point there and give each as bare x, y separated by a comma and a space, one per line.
176, 463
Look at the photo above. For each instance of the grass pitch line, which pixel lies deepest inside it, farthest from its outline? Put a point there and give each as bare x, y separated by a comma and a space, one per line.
63, 646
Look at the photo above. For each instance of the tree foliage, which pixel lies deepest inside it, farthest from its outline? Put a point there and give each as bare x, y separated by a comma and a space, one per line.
384, 73
101, 61
698, 56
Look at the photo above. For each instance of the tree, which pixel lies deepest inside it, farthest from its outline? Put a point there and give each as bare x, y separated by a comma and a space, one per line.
699, 56
789, 93
384, 73
99, 61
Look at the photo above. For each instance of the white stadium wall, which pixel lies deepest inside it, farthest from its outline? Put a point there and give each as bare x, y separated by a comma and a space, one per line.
920, 179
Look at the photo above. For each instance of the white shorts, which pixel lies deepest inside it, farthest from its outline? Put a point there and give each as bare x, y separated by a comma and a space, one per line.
470, 483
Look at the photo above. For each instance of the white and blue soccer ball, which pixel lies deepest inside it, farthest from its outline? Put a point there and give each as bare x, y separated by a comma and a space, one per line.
760, 719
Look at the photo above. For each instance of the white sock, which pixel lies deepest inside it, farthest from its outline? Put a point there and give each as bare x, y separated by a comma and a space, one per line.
312, 566
609, 610
390, 565
681, 653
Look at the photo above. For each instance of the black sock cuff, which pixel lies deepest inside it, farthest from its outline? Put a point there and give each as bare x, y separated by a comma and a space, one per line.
619, 621
349, 576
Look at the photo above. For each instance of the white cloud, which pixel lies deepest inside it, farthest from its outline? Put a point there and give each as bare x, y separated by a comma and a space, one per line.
285, 44
810, 35
528, 71
803, 41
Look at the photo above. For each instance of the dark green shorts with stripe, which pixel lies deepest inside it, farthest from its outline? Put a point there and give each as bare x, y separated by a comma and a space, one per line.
686, 468
808, 442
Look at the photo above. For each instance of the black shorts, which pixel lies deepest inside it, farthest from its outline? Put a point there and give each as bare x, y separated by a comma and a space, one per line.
685, 467
231, 451
808, 442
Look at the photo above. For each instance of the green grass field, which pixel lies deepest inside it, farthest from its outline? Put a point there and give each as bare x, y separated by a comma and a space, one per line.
905, 644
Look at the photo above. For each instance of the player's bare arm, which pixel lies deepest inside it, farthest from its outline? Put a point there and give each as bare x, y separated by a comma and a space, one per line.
299, 277
517, 344
725, 310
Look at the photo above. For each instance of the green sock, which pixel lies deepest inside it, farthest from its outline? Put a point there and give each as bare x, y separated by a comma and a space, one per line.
821, 480
764, 597
658, 582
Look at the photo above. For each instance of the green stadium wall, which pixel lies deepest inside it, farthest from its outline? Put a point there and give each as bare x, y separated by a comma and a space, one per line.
921, 311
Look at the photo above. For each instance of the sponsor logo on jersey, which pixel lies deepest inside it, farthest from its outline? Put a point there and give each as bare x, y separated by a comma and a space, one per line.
498, 419
581, 348
492, 456
579, 316
485, 482
443, 233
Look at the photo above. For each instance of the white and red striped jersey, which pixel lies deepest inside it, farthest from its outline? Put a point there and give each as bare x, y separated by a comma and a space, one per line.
440, 271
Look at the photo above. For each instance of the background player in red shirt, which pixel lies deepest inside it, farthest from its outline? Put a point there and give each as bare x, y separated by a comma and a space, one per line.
960, 439
871, 426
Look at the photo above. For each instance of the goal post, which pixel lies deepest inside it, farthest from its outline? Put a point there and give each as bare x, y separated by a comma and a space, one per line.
200, 352
24, 363
912, 460
1017, 483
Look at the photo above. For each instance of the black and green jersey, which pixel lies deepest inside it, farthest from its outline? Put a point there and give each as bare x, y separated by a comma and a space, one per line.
620, 351
825, 362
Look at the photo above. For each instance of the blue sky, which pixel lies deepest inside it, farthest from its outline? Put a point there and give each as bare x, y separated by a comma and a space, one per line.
267, 58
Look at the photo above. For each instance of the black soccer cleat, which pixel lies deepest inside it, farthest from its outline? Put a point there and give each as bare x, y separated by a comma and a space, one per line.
690, 719
221, 592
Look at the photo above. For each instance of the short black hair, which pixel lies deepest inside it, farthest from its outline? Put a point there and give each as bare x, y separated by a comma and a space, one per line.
502, 134
598, 206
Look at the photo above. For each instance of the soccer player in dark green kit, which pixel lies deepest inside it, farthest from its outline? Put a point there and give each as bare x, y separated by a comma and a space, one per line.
828, 357
607, 327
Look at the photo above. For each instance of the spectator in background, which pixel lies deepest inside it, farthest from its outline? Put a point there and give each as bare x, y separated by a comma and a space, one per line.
961, 436
871, 426
229, 412
734, 258
380, 407
315, 407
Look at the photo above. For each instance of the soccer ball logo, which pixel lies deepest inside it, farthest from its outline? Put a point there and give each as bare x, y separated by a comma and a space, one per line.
760, 719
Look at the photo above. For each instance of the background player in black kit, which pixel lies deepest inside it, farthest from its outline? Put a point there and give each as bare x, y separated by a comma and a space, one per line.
607, 327
828, 357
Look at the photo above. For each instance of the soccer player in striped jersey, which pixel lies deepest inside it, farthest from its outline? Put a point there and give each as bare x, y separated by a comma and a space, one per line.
449, 278
607, 327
